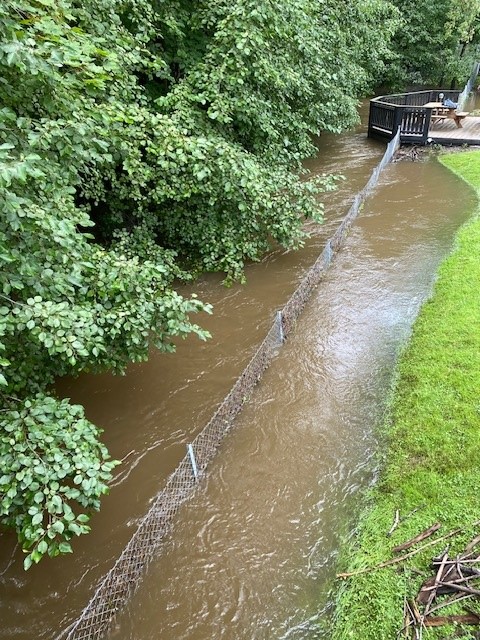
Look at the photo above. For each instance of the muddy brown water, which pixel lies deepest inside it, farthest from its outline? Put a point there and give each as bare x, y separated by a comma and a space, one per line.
253, 554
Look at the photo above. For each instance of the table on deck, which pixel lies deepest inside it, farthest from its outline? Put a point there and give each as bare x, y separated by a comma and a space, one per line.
440, 112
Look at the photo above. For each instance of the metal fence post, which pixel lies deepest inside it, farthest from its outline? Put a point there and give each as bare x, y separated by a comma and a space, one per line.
328, 252
281, 335
193, 461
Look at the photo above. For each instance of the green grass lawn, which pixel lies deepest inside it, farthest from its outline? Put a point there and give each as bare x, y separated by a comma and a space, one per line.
432, 461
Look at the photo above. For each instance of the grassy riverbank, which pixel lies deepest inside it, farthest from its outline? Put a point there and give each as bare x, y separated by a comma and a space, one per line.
433, 453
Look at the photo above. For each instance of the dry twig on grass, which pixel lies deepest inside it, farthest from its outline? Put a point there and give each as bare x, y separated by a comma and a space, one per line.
421, 536
389, 563
395, 524
451, 575
439, 621
471, 545
436, 584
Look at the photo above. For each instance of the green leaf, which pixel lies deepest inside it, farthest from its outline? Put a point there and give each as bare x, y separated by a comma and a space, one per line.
58, 526
65, 547
42, 547
37, 518
83, 518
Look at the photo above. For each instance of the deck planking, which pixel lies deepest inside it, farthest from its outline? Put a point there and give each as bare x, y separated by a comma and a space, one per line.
446, 132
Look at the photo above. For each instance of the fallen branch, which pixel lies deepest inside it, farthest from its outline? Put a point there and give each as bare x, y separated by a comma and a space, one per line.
407, 620
474, 613
421, 536
467, 560
453, 600
388, 563
432, 587
463, 561
459, 587
455, 573
436, 584
419, 619
471, 545
396, 521
439, 621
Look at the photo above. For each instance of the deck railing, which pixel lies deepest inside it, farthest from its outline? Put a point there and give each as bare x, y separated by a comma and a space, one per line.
407, 111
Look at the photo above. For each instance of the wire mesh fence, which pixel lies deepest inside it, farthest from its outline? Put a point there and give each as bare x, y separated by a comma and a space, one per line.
122, 580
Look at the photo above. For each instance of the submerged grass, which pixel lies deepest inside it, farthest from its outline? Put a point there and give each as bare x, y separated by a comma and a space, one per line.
433, 451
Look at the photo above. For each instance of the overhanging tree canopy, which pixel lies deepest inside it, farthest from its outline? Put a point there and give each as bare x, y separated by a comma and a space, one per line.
437, 41
141, 142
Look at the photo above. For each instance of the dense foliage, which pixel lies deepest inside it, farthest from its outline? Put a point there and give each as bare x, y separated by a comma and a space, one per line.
143, 141
436, 43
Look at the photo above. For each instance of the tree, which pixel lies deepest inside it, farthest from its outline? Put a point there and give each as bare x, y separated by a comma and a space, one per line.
67, 304
436, 43
144, 142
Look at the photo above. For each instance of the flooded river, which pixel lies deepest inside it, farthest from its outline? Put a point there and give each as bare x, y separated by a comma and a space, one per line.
252, 556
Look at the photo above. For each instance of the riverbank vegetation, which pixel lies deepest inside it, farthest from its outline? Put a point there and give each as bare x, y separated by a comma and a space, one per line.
433, 433
436, 42
142, 143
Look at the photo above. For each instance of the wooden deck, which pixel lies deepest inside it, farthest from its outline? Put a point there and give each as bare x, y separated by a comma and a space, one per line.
416, 115
446, 132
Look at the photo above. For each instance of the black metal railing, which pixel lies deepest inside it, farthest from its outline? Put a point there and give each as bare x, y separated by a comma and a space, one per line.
407, 111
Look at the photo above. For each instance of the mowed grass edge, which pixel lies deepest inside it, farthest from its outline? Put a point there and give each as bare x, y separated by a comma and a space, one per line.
432, 455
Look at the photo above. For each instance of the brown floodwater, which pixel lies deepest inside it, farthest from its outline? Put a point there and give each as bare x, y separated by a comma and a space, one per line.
252, 555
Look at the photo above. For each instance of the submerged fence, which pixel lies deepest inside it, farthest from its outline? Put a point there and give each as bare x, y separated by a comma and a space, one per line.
123, 579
